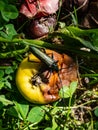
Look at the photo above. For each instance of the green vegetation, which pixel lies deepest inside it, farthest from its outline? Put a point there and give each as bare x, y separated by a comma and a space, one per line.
78, 108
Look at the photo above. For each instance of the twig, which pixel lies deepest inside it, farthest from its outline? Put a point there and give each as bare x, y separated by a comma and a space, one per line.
84, 3
81, 105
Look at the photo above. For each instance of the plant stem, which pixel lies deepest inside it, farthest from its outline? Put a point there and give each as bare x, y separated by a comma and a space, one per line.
77, 106
69, 108
43, 44
13, 53
89, 75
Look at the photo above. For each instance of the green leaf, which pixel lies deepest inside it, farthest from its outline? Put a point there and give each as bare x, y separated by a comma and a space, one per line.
3, 34
1, 74
10, 31
73, 87
1, 84
5, 101
96, 112
7, 84
9, 12
36, 115
64, 92
67, 91
96, 125
9, 77
22, 109
54, 110
2, 5
4, 16
9, 70
48, 128
86, 43
61, 24
12, 111
54, 124
77, 38
65, 128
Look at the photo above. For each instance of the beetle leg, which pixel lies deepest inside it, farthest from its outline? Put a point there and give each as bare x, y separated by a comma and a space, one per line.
52, 56
46, 76
37, 80
41, 76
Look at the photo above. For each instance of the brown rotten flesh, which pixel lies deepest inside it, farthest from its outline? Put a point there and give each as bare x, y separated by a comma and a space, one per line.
55, 80
39, 84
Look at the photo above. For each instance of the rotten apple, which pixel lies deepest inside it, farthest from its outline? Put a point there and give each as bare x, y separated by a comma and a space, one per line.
40, 85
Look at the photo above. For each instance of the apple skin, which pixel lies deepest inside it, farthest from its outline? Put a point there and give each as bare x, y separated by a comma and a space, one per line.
23, 81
